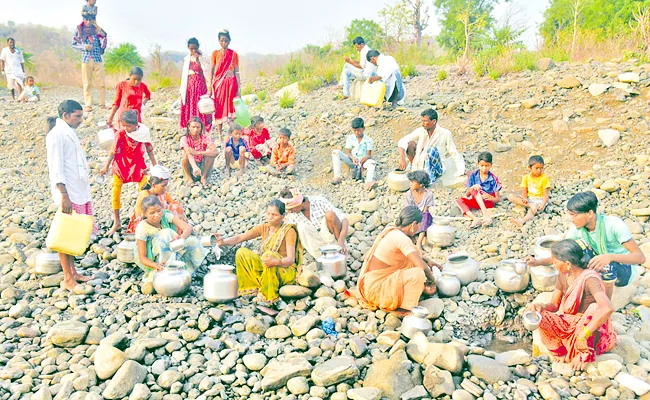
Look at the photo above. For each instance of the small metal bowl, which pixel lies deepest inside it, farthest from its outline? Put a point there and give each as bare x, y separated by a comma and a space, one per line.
100, 179
177, 245
531, 320
209, 241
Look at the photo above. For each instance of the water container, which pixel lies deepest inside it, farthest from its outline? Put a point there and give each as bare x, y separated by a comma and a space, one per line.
243, 117
70, 233
372, 94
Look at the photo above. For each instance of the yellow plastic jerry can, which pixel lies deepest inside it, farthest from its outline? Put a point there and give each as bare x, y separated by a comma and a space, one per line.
372, 94
69, 233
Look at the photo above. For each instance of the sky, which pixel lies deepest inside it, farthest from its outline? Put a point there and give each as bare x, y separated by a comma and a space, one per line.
256, 26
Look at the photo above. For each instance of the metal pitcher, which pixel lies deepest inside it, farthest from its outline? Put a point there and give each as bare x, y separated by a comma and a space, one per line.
332, 261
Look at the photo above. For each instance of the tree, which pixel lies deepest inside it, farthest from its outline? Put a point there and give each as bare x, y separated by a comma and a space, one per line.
463, 21
122, 58
368, 29
420, 18
576, 7
396, 19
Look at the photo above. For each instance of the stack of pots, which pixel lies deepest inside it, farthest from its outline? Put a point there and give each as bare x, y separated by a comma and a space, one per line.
544, 276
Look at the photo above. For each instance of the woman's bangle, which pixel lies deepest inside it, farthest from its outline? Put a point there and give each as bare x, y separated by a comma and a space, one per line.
587, 333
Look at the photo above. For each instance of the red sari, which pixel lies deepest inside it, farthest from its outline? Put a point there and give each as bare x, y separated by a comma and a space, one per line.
128, 162
253, 139
559, 331
129, 97
196, 87
224, 84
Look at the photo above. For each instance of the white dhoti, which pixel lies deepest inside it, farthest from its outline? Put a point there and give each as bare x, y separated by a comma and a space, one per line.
15, 80
313, 239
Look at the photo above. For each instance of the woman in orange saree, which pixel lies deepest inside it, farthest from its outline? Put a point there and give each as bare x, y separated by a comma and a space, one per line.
394, 275
576, 324
225, 85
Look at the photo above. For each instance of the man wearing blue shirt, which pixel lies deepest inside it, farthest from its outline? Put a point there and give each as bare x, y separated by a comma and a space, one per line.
358, 155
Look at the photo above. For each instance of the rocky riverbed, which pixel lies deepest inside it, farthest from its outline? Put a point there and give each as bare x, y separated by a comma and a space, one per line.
108, 340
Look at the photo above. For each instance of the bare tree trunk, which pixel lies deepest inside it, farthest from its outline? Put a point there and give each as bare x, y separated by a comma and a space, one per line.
576, 12
420, 19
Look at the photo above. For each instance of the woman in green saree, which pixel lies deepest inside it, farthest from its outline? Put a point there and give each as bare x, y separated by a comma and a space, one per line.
278, 261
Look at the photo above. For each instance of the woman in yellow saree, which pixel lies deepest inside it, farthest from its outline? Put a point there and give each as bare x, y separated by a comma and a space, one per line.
280, 259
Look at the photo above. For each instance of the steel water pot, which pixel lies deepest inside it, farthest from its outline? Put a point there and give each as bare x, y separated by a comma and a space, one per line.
415, 322
332, 261
448, 285
507, 279
220, 284
173, 280
464, 266
127, 250
544, 277
206, 105
47, 262
543, 246
441, 233
106, 138
398, 181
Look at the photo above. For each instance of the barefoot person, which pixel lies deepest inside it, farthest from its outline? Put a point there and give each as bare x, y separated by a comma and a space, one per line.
127, 160
68, 169
12, 65
394, 275
358, 155
535, 187
319, 222
193, 86
130, 94
431, 148
198, 152
278, 260
582, 328
225, 83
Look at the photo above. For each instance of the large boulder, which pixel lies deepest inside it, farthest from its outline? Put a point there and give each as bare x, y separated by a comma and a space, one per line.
627, 348
391, 376
488, 369
293, 91
569, 82
277, 373
124, 380
445, 356
108, 360
68, 333
609, 137
333, 371
438, 382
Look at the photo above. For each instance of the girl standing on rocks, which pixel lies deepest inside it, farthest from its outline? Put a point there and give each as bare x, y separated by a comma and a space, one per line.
280, 259
156, 186
582, 328
225, 84
127, 159
193, 86
154, 235
394, 275
130, 94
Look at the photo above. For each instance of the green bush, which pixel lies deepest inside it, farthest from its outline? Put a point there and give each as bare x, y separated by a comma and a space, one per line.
442, 74
525, 61
262, 95
494, 74
310, 84
286, 101
409, 70
248, 89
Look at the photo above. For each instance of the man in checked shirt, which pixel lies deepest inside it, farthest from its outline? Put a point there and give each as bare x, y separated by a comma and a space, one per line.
90, 39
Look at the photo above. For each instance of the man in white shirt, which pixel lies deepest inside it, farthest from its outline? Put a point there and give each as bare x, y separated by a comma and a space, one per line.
389, 73
12, 65
431, 148
68, 169
358, 70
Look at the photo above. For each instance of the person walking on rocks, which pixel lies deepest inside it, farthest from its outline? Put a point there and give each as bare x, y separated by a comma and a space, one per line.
279, 258
127, 160
225, 83
130, 94
319, 222
90, 39
193, 87
68, 170
199, 153
12, 65
388, 72
582, 327
357, 70
394, 275
431, 148
358, 155
616, 254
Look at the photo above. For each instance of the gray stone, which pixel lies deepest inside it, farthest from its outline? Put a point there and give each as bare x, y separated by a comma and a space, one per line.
333, 371
609, 137
294, 291
434, 305
438, 382
627, 348
365, 393
301, 326
596, 89
168, 378
488, 369
122, 383
108, 360
255, 361
277, 373
445, 356
68, 333
298, 385
140, 392
391, 376
278, 332
514, 357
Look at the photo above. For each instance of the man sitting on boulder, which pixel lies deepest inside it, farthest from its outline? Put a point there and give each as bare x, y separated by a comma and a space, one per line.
615, 254
389, 73
358, 70
431, 148
319, 222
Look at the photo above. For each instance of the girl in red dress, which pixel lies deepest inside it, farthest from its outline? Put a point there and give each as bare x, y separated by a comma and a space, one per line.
258, 140
225, 85
193, 86
127, 160
130, 94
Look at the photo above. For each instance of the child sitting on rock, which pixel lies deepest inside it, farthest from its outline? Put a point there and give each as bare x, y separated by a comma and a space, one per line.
283, 156
535, 188
422, 198
127, 160
31, 92
483, 192
235, 151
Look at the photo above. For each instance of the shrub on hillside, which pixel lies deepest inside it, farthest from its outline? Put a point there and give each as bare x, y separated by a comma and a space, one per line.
286, 101
408, 70
442, 74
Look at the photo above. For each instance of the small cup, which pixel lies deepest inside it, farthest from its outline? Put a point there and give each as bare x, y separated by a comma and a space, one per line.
100, 179
520, 267
177, 245
531, 320
208, 241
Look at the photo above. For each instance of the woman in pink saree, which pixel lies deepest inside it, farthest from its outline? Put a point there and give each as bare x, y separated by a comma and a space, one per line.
193, 86
576, 323
225, 85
